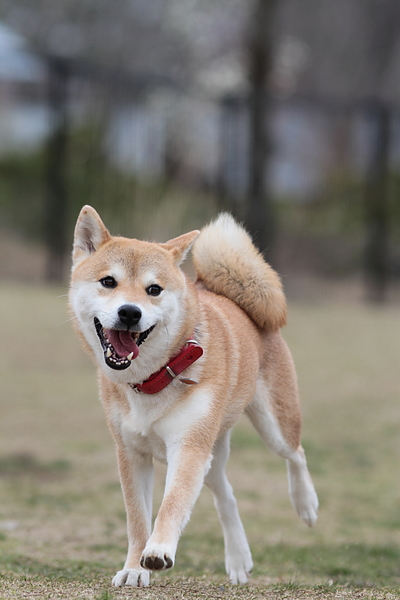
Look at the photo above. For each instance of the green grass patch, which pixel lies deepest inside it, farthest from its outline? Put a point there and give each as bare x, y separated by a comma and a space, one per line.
16, 465
352, 565
66, 570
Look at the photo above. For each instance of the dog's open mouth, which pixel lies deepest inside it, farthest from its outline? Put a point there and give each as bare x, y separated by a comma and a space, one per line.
120, 347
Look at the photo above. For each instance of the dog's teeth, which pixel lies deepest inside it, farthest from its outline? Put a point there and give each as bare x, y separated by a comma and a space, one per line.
108, 353
130, 356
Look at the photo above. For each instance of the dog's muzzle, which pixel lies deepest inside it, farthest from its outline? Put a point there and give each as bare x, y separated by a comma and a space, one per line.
127, 342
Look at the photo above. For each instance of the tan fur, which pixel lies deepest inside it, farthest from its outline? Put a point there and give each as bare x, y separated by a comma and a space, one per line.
234, 311
228, 263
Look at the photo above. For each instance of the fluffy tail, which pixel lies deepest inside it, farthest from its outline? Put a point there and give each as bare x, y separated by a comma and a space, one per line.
228, 263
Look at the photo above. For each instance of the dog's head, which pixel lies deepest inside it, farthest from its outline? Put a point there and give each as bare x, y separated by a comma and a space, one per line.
125, 292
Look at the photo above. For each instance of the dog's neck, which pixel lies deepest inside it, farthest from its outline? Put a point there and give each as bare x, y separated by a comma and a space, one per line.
189, 353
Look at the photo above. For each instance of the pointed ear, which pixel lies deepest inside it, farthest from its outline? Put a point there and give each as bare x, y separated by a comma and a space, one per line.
90, 234
180, 246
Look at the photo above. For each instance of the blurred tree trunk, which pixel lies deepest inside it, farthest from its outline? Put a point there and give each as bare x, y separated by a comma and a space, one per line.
376, 205
259, 214
55, 219
383, 19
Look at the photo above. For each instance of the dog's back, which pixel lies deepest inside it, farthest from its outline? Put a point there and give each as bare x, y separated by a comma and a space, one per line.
228, 264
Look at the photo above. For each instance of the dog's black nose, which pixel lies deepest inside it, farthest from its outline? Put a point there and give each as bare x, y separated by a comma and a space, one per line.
129, 315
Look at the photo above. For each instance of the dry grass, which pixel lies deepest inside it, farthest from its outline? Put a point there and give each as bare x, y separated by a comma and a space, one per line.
62, 522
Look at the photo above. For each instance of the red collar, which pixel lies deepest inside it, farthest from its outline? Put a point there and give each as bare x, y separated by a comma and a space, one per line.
190, 352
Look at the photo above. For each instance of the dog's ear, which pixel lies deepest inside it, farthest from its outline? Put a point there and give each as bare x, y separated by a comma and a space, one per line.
180, 246
90, 234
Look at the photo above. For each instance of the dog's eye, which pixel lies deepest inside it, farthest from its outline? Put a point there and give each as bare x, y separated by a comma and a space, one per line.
154, 290
108, 282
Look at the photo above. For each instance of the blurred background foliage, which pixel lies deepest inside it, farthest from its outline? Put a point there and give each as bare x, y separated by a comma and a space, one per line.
160, 114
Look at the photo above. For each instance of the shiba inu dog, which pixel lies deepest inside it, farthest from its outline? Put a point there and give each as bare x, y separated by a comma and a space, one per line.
178, 363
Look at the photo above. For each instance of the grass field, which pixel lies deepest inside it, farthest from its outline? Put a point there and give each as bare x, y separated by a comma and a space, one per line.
62, 521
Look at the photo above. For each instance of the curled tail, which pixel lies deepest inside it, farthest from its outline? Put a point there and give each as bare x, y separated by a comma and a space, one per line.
228, 263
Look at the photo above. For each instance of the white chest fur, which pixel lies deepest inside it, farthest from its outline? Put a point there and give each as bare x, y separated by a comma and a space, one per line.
154, 422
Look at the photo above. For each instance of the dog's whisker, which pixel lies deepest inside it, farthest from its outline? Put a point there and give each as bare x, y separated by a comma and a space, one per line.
69, 320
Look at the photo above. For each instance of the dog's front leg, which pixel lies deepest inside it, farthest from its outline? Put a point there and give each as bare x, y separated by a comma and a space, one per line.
136, 474
188, 464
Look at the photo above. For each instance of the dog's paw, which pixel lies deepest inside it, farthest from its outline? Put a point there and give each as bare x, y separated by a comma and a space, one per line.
157, 558
305, 502
301, 488
310, 515
239, 567
134, 577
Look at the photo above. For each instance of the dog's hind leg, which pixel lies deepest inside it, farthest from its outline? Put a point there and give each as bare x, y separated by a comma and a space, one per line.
277, 420
301, 488
238, 561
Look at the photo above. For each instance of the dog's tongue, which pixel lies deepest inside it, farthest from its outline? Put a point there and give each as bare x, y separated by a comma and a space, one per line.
122, 342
